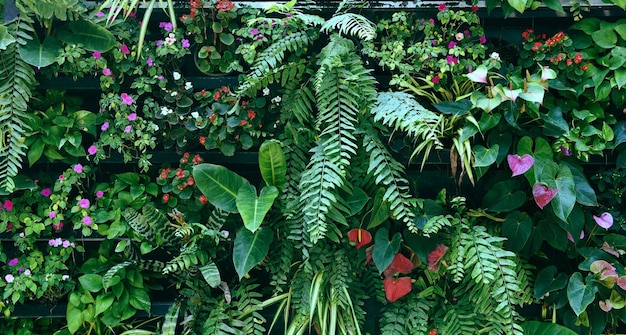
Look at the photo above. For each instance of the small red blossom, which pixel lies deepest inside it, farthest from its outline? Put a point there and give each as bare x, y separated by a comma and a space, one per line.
180, 174
527, 34
442, 7
243, 122
212, 118
435, 257
166, 197
202, 139
474, 8
203, 200
190, 181
536, 46
8, 205
224, 5
432, 331
569, 62
251, 114
397, 288
197, 159
584, 67
359, 237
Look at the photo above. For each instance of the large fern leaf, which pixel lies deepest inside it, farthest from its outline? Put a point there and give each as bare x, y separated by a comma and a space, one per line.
351, 24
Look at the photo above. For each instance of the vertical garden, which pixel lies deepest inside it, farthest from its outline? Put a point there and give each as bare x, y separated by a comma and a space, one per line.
312, 167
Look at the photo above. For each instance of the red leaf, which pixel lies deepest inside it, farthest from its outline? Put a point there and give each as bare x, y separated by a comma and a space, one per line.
435, 256
398, 288
400, 264
543, 194
360, 237
519, 165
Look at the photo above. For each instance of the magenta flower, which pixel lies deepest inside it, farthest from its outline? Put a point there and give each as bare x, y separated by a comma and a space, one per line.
57, 227
46, 192
99, 194
159, 43
127, 99
451, 45
185, 43
167, 26
87, 220
160, 78
260, 37
92, 150
254, 31
128, 129
436, 79
565, 151
149, 61
104, 126
124, 49
519, 165
83, 203
605, 220
66, 244
99, 14
8, 205
442, 7
106, 71
96, 54
132, 116
78, 168
13, 262
483, 40
452, 60
52, 214
431, 21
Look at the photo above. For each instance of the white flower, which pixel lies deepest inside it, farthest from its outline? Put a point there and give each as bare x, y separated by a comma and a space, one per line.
277, 99
171, 39
495, 55
174, 93
195, 115
155, 127
65, 277
27, 272
176, 75
266, 91
165, 110
225, 233
459, 36
9, 278
188, 85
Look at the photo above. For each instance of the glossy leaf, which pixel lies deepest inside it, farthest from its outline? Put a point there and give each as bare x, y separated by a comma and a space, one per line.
272, 164
250, 248
6, 39
604, 38
357, 200
384, 249
545, 328
565, 199
380, 211
579, 294
504, 196
252, 208
485, 156
91, 282
40, 54
549, 280
219, 184
519, 5
91, 36
517, 227
211, 274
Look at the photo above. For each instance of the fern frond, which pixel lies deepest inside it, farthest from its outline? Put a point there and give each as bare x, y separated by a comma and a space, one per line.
458, 319
248, 305
351, 24
402, 112
283, 73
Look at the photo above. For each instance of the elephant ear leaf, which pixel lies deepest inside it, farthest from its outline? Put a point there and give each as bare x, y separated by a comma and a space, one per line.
40, 54
90, 35
250, 248
273, 164
545, 328
219, 184
252, 208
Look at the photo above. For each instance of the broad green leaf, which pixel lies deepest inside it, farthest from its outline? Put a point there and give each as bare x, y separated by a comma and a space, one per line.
545, 328
565, 199
542, 153
250, 248
519, 5
140, 299
380, 210
588, 25
272, 164
517, 227
504, 196
579, 294
461, 107
211, 274
616, 240
585, 194
35, 151
555, 5
488, 121
485, 156
129, 178
219, 184
549, 280
74, 318
620, 29
91, 282
602, 91
103, 302
40, 54
252, 208
385, 250
6, 39
91, 36
357, 200
605, 38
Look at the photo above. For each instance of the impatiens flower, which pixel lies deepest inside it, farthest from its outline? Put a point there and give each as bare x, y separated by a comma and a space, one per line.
605, 220
13, 262
96, 54
519, 165
397, 288
27, 273
57, 227
132, 117
124, 49
99, 14
435, 257
127, 129
8, 205
99, 194
127, 99
46, 192
52, 214
266, 91
78, 168
185, 43
149, 61
482, 40
451, 45
459, 36
400, 264
605, 305
254, 31
106, 71
442, 7
543, 194
104, 126
359, 237
495, 56
92, 150
9, 278
83, 203
87, 220
435, 79
474, 8
167, 26
452, 60
65, 277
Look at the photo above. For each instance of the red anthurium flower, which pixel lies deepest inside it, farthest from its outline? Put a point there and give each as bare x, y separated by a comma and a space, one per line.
519, 165
435, 256
400, 264
360, 237
368, 255
543, 194
397, 288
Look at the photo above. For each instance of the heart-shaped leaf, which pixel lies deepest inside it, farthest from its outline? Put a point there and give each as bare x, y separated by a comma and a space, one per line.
397, 288
504, 196
357, 200
565, 199
90, 35
485, 156
250, 248
380, 210
605, 220
520, 164
252, 208
543, 194
40, 54
549, 280
517, 227
272, 164
359, 237
385, 250
579, 294
219, 184
545, 328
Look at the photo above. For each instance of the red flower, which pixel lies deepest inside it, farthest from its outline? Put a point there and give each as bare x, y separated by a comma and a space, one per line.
190, 181
251, 114
197, 159
203, 200
359, 237
180, 174
442, 7
474, 8
166, 197
400, 264
224, 5
543, 194
203, 138
397, 288
435, 256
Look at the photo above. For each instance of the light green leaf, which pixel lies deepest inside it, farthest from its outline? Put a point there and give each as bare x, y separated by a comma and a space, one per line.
40, 54
565, 199
545, 328
74, 317
519, 5
211, 274
90, 35
485, 156
6, 39
219, 184
579, 294
605, 38
252, 208
250, 248
385, 250
103, 302
91, 282
139, 299
272, 164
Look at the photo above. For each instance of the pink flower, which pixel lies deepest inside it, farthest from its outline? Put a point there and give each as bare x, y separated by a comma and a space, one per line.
605, 220
8, 205
83, 203
46, 192
104, 126
254, 31
106, 71
185, 43
13, 262
9, 278
132, 117
127, 99
61, 177
99, 14
159, 43
167, 26
52, 214
99, 194
160, 78
57, 227
435, 256
483, 40
128, 129
451, 45
87, 220
436, 79
543, 194
452, 60
519, 165
124, 49
149, 61
96, 54
571, 238
442, 7
78, 168
92, 150
565, 151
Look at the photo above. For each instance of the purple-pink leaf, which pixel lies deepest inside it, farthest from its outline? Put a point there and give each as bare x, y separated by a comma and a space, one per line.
605, 220
543, 194
519, 165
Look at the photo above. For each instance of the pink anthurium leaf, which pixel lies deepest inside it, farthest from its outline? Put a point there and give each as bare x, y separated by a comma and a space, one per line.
605, 220
519, 165
543, 194
479, 75
397, 288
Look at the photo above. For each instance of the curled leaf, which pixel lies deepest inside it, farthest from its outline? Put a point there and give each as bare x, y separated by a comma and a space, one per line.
543, 194
397, 288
